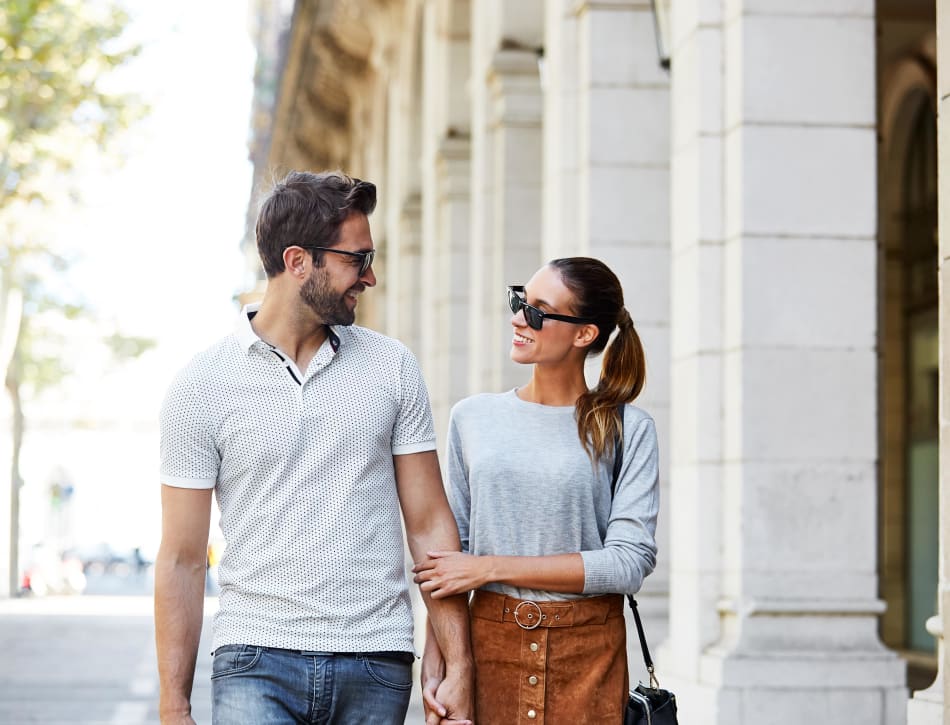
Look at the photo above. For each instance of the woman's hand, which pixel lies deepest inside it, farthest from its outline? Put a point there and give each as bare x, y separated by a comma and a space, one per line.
445, 573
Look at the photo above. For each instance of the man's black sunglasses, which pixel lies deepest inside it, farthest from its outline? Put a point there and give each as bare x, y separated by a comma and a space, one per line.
535, 317
366, 258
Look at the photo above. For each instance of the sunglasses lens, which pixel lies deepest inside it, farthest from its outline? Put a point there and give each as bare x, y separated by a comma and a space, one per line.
514, 301
367, 262
533, 317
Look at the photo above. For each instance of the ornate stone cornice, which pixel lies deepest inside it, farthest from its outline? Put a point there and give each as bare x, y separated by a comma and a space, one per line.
327, 57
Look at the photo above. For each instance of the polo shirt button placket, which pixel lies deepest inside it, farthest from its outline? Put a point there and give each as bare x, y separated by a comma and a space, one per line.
534, 649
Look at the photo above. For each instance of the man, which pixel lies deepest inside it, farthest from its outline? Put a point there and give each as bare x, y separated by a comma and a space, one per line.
314, 434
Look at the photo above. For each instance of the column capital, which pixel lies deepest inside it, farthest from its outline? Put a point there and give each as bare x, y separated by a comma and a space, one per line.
515, 88
582, 6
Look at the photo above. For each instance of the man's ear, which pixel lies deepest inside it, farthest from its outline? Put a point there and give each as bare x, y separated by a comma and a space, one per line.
295, 261
586, 334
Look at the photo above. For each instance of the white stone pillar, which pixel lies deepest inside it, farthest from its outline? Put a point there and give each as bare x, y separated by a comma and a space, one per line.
794, 568
409, 273
928, 707
559, 85
696, 455
621, 196
454, 223
446, 221
482, 165
403, 209
506, 177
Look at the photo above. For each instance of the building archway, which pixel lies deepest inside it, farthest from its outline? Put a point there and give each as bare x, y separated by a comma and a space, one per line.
908, 345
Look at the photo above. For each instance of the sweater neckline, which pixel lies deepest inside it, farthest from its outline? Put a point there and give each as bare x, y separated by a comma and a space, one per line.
529, 405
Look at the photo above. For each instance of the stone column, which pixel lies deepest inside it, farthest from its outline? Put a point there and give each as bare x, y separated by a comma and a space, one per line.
696, 458
506, 177
408, 269
559, 85
786, 550
445, 214
928, 707
621, 194
403, 237
454, 220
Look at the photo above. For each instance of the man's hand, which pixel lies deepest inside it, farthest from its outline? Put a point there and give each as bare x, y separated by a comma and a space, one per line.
445, 573
449, 702
431, 676
177, 719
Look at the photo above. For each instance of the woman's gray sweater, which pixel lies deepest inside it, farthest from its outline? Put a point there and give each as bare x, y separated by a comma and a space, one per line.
521, 484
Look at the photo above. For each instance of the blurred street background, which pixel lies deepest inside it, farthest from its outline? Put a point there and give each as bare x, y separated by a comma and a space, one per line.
91, 659
88, 659
124, 184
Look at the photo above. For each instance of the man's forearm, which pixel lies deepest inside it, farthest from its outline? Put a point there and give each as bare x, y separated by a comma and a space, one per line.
450, 624
179, 604
448, 617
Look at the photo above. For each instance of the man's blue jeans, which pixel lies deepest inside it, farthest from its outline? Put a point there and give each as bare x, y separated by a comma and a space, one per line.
261, 685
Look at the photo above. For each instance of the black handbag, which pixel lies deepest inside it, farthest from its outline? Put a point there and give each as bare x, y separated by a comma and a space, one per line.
646, 705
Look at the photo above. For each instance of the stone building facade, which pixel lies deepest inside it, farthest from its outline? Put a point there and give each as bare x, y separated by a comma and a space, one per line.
771, 203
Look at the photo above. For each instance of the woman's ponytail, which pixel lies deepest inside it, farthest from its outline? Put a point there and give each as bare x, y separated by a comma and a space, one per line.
622, 375
598, 295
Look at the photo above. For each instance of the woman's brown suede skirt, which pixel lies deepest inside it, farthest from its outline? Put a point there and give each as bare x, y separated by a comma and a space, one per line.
549, 662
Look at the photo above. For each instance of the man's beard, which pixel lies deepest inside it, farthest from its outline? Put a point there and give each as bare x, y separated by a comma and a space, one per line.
325, 303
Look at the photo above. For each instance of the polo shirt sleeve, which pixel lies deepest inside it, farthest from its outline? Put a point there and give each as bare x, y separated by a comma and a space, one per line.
413, 431
189, 456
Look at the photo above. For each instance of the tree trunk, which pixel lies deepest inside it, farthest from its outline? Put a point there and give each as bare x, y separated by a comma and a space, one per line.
13, 389
11, 316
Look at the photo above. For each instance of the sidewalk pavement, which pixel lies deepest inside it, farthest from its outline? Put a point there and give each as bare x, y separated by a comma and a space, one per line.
91, 660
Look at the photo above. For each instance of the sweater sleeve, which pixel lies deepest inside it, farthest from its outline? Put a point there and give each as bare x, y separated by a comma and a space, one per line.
629, 551
460, 495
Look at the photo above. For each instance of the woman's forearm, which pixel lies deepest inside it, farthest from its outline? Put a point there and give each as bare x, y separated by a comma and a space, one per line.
555, 573
445, 573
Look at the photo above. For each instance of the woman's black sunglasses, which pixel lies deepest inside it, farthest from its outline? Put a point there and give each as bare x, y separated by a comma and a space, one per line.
535, 317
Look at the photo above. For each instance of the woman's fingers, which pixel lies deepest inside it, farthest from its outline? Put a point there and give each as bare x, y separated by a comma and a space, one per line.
428, 696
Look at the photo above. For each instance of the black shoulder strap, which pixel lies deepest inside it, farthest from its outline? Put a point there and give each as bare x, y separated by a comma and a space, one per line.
618, 462
618, 453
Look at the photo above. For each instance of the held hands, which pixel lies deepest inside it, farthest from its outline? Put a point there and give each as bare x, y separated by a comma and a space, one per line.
445, 701
444, 698
178, 718
446, 573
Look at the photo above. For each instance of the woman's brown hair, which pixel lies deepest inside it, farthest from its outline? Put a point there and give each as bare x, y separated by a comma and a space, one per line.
599, 296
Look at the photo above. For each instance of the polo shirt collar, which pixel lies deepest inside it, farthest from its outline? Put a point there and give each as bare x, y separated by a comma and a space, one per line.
247, 337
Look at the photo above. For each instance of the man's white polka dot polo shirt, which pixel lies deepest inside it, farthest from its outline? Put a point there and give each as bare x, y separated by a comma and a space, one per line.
302, 467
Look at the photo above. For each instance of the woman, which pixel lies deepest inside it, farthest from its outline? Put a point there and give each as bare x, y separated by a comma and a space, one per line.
546, 547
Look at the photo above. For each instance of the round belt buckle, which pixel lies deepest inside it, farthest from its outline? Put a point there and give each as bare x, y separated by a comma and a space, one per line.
529, 615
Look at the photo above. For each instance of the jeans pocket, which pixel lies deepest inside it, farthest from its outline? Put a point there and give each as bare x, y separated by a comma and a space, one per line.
232, 659
389, 671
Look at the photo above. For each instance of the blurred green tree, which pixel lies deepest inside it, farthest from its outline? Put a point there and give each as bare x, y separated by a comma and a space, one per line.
55, 109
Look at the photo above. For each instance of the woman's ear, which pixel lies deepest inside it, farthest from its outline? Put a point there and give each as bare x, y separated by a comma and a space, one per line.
586, 334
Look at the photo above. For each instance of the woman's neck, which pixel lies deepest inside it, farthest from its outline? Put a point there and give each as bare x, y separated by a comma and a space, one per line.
554, 386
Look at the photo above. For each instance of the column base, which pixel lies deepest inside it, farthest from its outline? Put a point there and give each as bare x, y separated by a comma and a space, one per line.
790, 688
926, 708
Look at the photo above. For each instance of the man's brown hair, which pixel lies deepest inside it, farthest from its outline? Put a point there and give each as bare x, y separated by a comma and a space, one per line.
308, 209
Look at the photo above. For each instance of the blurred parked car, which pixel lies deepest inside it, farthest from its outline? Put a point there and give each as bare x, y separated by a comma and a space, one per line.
49, 571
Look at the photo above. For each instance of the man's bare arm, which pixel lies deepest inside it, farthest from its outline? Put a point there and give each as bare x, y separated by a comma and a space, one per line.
180, 571
429, 519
